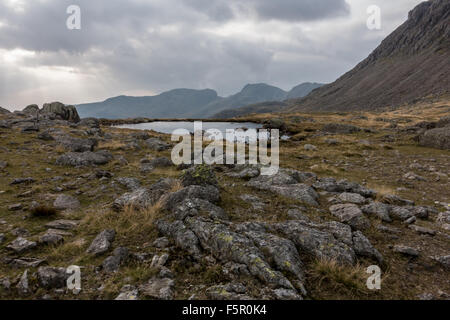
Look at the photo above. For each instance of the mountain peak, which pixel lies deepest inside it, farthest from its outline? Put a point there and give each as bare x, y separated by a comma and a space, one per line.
410, 64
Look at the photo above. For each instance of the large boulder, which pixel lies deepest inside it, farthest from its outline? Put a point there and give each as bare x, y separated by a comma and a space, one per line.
32, 109
61, 111
436, 138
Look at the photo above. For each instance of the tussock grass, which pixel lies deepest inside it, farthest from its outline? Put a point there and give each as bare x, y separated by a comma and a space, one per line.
330, 274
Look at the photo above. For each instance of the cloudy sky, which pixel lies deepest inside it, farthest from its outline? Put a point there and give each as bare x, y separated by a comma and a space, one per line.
144, 47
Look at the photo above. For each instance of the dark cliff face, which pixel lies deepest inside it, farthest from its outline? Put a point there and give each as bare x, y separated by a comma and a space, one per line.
411, 63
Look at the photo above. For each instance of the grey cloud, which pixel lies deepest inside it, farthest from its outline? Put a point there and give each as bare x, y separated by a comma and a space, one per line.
295, 10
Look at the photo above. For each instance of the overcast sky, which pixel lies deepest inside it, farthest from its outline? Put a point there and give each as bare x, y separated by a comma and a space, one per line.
144, 47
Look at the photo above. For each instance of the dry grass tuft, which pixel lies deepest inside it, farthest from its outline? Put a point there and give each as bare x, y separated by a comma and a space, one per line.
330, 273
43, 211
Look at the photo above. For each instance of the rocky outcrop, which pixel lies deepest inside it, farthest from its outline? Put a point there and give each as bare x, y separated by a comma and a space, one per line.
58, 110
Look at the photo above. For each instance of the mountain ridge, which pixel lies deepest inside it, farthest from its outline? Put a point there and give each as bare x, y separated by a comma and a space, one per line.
188, 103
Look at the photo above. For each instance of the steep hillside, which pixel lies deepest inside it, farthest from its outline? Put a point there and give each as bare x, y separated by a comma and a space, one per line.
411, 63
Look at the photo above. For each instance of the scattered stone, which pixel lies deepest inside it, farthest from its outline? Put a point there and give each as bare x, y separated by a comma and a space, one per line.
88, 158
378, 209
27, 263
422, 230
407, 251
161, 243
158, 289
413, 176
161, 162
62, 224
310, 147
254, 201
15, 207
22, 181
157, 144
443, 260
2, 238
129, 183
128, 292
20, 232
22, 286
51, 277
112, 263
66, 202
227, 292
201, 175
395, 200
355, 198
400, 213
350, 214
102, 242
21, 245
51, 238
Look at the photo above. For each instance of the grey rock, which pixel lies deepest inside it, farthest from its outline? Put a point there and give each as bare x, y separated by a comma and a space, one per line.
436, 138
194, 207
84, 159
407, 251
310, 147
46, 136
227, 292
50, 238
355, 198
208, 193
128, 293
286, 294
62, 224
161, 243
400, 213
320, 244
350, 214
22, 181
129, 183
254, 201
363, 247
443, 260
286, 183
2, 238
161, 162
244, 172
66, 202
26, 263
422, 230
162, 289
144, 197
51, 277
102, 242
23, 287
201, 175
61, 111
21, 245
15, 207
76, 144
183, 237
227, 245
20, 232
157, 144
396, 200
377, 209
112, 263
3, 165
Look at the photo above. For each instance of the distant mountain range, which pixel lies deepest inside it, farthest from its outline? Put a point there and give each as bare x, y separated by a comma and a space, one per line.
189, 103
410, 64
